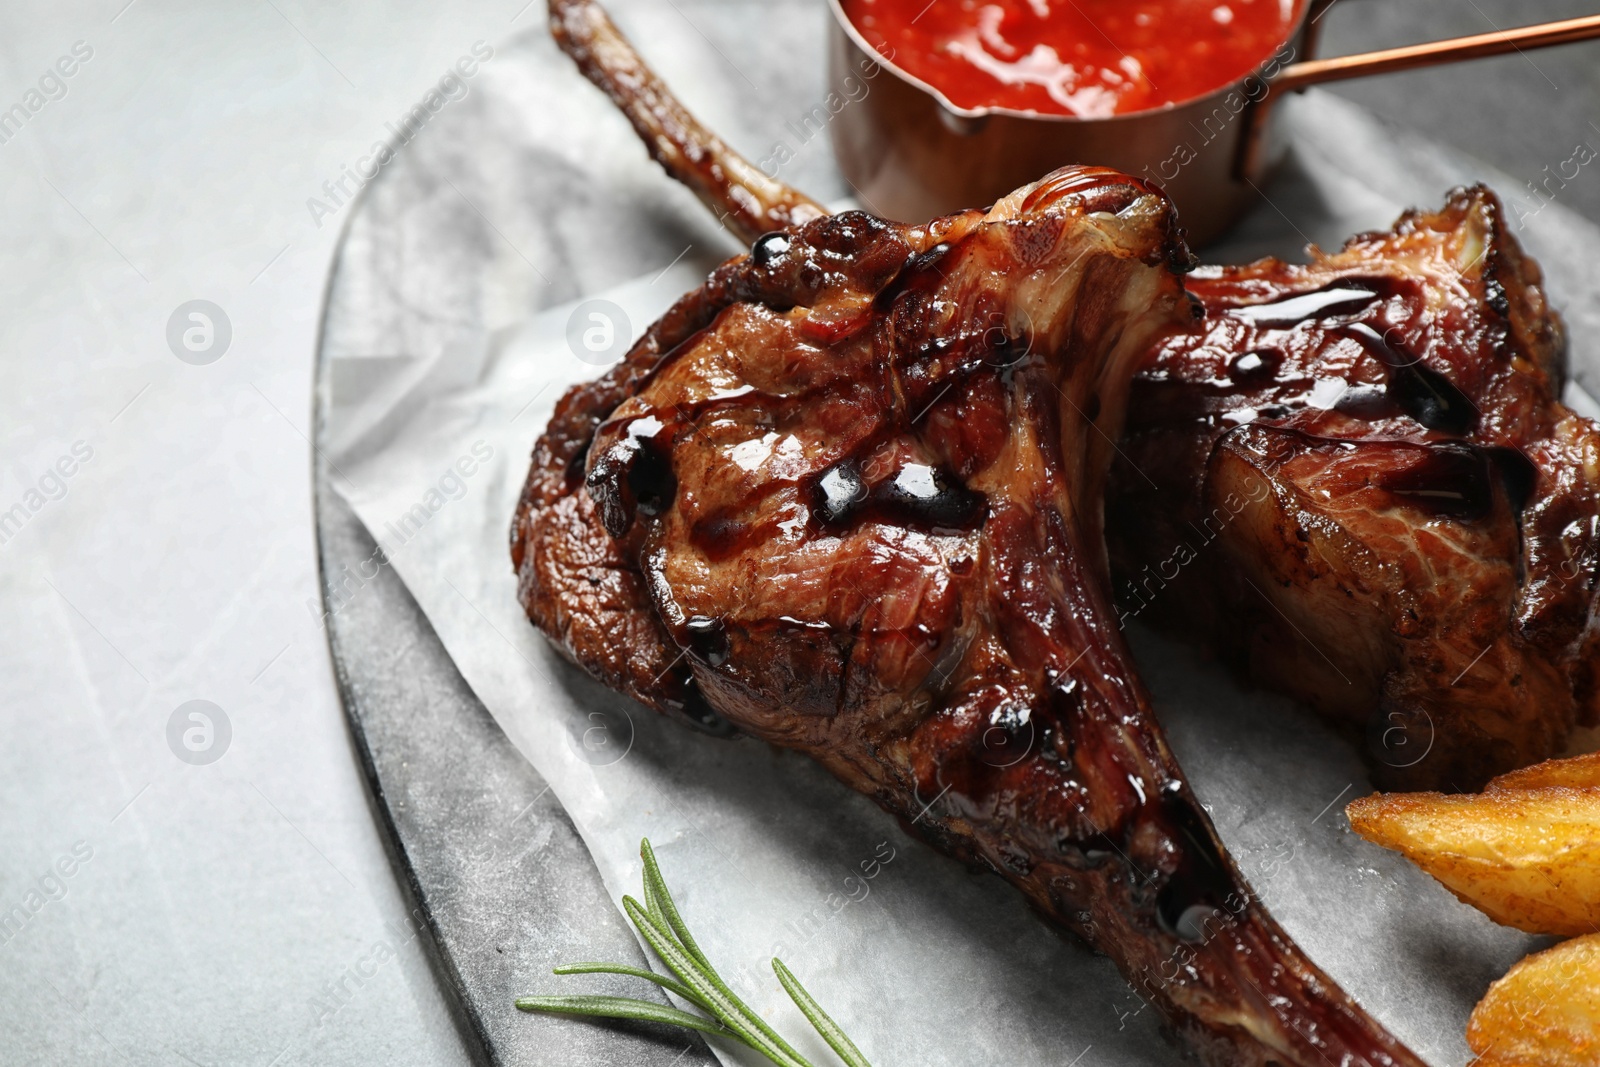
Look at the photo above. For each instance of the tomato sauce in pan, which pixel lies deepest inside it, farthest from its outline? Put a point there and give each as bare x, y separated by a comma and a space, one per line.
1089, 58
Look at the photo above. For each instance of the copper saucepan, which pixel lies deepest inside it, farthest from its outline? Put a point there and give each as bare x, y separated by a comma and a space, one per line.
912, 154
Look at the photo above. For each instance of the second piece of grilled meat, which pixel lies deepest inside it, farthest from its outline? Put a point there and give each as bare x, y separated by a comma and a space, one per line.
1356, 480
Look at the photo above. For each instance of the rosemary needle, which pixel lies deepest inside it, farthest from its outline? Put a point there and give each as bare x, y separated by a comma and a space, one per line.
622, 1008
633, 972
663, 929
818, 1018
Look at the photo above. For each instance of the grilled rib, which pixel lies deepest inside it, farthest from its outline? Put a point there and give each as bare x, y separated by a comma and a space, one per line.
857, 481
1440, 602
846, 497
744, 198
1356, 480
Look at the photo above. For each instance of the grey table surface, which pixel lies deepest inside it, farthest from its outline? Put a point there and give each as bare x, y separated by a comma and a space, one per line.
245, 911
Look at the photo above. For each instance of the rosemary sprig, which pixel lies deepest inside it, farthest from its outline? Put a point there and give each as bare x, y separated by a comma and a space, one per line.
697, 982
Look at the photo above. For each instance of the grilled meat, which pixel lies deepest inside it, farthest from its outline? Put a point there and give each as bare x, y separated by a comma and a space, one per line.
856, 483
847, 497
1355, 479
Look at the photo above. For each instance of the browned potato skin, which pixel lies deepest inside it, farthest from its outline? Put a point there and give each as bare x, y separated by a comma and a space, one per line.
1577, 772
1544, 1013
1527, 858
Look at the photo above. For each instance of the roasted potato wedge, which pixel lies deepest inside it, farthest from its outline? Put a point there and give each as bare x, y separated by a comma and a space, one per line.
1544, 1013
1528, 858
1578, 772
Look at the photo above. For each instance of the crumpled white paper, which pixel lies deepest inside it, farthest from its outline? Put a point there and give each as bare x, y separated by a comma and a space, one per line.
923, 962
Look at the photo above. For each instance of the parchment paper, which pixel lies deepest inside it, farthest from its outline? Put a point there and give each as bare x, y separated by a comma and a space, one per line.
442, 379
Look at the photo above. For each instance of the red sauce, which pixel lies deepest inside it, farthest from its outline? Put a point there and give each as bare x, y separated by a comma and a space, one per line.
1089, 58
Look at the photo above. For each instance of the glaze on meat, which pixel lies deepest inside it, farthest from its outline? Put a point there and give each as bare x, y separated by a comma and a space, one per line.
846, 498
1355, 480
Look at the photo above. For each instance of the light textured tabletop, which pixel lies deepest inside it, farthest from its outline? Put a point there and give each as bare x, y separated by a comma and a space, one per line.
229, 900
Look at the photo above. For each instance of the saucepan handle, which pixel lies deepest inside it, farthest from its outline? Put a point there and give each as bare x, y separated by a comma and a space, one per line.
1317, 71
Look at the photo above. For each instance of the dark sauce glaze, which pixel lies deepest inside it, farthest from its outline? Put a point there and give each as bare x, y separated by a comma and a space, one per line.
1256, 365
634, 474
695, 710
916, 495
839, 491
1101, 189
1091, 820
1421, 392
721, 536
1342, 311
1334, 302
1519, 473
769, 248
1465, 358
633, 477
